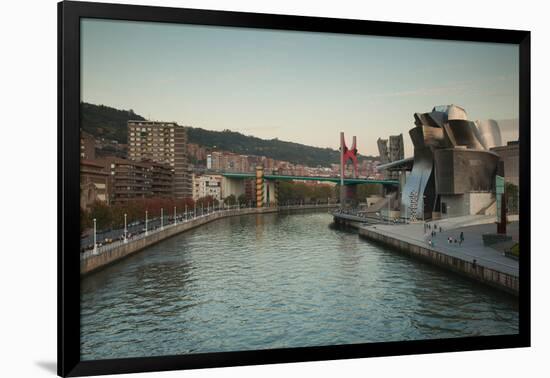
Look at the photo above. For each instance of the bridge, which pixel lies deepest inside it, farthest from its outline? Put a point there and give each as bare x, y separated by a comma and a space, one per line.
347, 181
267, 189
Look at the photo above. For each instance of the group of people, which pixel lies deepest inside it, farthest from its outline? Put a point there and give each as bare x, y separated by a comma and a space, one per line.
460, 239
434, 229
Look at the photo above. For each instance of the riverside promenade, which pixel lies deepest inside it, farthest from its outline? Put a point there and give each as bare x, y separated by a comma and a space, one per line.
91, 261
471, 258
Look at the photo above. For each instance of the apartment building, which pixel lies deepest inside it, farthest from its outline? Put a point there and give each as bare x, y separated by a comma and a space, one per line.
162, 142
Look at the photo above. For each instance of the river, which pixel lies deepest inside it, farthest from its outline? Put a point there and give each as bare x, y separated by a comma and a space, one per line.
277, 281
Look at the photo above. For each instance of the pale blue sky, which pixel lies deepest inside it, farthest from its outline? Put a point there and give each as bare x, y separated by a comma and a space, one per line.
297, 86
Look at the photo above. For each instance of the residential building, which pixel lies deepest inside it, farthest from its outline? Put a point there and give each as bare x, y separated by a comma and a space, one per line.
509, 155
196, 152
162, 179
163, 142
127, 179
87, 146
93, 183
207, 185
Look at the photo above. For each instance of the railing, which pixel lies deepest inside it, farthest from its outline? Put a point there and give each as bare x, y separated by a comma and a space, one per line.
364, 215
181, 219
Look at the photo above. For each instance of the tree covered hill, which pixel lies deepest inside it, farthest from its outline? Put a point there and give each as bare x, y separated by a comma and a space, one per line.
106, 122
249, 145
111, 123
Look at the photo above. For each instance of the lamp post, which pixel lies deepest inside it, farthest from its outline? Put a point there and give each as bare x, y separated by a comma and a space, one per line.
95, 237
125, 230
146, 220
161, 218
389, 203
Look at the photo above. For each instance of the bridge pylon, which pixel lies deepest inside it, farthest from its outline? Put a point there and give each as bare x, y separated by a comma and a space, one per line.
347, 154
259, 186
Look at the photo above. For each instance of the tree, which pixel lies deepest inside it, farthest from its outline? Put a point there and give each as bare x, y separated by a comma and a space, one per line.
242, 199
207, 201
102, 214
230, 200
85, 220
366, 190
296, 192
512, 197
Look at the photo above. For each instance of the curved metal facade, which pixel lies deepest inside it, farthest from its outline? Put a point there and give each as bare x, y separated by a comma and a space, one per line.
459, 171
450, 157
489, 133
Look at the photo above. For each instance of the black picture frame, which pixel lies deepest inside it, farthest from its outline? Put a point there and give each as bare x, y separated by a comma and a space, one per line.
69, 15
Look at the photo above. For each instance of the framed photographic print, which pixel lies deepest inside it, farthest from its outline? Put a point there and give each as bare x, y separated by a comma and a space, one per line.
239, 188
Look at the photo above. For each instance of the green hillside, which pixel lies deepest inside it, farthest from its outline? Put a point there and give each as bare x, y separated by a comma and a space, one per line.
249, 145
103, 121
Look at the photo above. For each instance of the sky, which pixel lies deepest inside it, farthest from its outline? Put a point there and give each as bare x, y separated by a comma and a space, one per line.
297, 86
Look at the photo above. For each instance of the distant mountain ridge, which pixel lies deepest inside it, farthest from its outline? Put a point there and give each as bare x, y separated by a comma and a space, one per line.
107, 122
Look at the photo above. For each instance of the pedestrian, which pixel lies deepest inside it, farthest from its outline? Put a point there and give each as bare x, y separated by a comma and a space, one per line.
439, 228
461, 236
474, 264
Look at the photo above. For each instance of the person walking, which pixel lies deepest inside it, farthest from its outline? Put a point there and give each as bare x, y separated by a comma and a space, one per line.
461, 236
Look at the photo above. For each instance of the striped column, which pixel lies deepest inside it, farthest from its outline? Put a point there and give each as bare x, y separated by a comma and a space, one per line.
259, 186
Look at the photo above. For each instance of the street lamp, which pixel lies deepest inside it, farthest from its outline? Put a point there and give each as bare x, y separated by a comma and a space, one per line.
95, 237
389, 203
146, 219
125, 230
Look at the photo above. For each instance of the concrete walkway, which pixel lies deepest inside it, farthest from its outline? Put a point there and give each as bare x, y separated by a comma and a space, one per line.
472, 247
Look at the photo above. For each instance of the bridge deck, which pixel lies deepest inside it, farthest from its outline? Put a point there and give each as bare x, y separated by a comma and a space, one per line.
347, 181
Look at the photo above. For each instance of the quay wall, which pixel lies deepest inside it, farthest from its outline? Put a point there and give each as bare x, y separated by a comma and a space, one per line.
494, 278
90, 262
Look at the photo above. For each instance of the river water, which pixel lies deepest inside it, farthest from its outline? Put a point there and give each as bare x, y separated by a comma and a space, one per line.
276, 281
